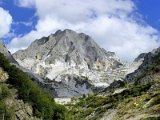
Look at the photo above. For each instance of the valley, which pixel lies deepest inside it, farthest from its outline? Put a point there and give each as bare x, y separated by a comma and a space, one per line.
70, 69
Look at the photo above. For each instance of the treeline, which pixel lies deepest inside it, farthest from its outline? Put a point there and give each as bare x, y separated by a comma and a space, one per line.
43, 104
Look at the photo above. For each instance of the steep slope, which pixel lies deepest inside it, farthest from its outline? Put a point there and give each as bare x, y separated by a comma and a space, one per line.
137, 99
24, 98
71, 63
12, 108
147, 70
136, 103
5, 51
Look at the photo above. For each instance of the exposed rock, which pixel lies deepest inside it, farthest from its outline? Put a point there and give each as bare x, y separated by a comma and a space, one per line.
140, 57
3, 75
20, 110
23, 111
69, 86
67, 53
5, 51
63, 101
150, 64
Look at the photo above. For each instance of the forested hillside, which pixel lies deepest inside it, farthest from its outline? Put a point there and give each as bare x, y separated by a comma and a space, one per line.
43, 105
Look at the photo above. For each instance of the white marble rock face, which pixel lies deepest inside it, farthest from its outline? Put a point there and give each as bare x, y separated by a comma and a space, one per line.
66, 56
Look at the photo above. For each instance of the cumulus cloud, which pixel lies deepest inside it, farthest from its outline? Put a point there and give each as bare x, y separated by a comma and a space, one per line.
111, 23
125, 37
5, 22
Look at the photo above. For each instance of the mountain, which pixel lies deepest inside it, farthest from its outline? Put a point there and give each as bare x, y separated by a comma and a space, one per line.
64, 50
137, 98
71, 63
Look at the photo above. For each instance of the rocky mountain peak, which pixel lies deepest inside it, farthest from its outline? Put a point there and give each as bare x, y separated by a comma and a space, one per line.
64, 58
69, 47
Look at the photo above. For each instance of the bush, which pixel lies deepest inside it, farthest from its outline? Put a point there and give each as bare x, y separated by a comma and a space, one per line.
88, 111
43, 104
154, 101
4, 92
6, 113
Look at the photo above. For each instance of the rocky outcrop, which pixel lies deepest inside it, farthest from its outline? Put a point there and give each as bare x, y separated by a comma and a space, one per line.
147, 69
140, 57
5, 51
69, 86
16, 108
3, 75
23, 111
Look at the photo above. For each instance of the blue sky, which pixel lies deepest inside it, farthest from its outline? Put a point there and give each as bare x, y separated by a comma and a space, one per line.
107, 21
149, 9
21, 16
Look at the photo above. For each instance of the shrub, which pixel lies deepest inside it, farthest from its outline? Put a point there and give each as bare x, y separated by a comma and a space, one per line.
4, 91
6, 113
43, 104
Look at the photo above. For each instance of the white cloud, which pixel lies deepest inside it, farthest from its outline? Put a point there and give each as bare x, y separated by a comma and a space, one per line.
107, 21
76, 10
5, 22
24, 3
23, 23
125, 37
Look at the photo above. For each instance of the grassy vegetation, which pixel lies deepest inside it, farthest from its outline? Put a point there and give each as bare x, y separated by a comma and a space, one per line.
139, 100
93, 107
43, 104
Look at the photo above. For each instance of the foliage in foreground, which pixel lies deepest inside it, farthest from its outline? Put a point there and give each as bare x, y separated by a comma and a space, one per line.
43, 104
6, 111
93, 107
